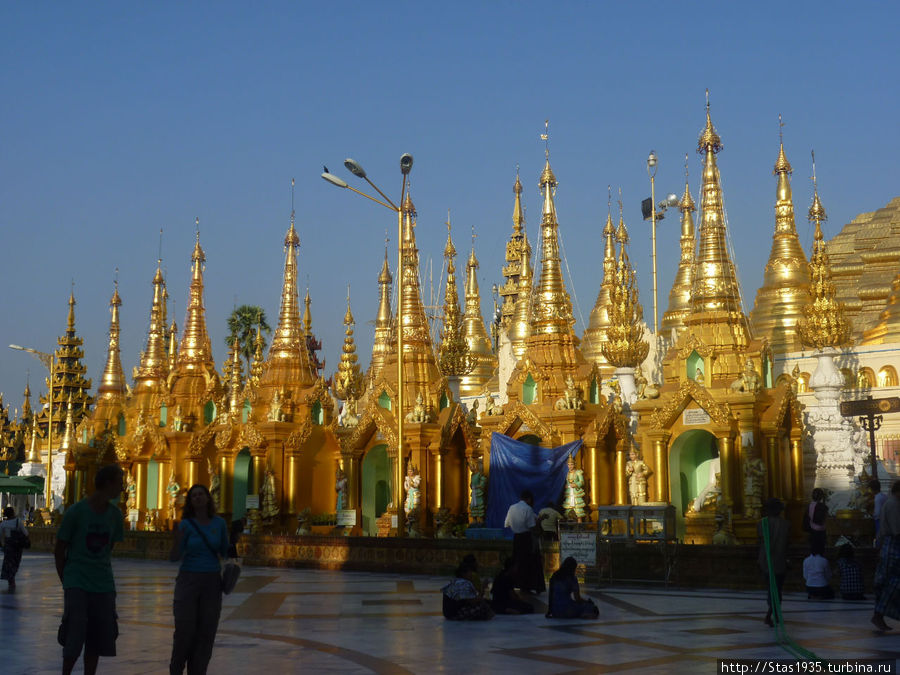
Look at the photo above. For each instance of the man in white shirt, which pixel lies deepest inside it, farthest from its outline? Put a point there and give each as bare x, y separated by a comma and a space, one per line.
549, 516
529, 563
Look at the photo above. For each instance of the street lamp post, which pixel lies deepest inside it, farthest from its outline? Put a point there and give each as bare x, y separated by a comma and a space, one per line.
406, 162
671, 200
50, 364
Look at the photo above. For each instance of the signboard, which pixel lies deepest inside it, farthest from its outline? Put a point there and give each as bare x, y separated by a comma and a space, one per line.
870, 406
394, 522
346, 518
580, 545
695, 416
252, 502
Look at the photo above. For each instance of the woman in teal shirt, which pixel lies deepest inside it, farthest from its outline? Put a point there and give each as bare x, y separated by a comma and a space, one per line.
201, 539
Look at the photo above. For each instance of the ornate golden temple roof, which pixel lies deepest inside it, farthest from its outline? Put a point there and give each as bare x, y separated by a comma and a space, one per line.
782, 297
824, 323
112, 382
551, 310
680, 294
512, 270
476, 335
595, 334
625, 345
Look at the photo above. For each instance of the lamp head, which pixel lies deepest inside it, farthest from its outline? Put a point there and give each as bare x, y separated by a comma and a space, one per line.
406, 162
672, 200
19, 347
334, 180
651, 160
354, 168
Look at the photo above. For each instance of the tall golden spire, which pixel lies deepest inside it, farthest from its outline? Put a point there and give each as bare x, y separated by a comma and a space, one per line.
781, 298
68, 438
235, 386
26, 404
520, 323
307, 315
454, 358
823, 323
518, 242
595, 335
421, 373
288, 338
257, 365
70, 320
34, 455
195, 351
715, 287
154, 364
625, 345
680, 295
476, 335
552, 308
347, 379
384, 343
112, 382
173, 345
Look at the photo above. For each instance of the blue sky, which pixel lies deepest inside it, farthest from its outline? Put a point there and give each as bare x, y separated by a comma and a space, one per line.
121, 118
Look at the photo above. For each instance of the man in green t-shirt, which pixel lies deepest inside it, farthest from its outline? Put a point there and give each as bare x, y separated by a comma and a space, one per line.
83, 547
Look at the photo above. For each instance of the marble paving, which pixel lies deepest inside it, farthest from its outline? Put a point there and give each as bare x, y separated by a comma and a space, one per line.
311, 621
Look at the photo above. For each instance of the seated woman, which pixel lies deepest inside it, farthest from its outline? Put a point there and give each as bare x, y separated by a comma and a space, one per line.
817, 572
504, 599
461, 600
565, 602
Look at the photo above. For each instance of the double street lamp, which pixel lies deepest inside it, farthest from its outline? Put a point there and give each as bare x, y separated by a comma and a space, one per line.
49, 362
649, 211
406, 162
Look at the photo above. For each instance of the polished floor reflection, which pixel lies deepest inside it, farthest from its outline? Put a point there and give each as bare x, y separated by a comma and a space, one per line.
353, 622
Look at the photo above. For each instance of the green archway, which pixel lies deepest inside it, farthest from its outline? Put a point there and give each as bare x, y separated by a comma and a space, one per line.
694, 364
121, 425
163, 415
243, 468
384, 400
529, 390
691, 461
531, 439
595, 391
245, 411
318, 416
209, 412
152, 484
376, 491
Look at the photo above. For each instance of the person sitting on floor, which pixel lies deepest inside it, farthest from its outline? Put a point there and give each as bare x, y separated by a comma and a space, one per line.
851, 574
504, 599
565, 602
817, 572
461, 600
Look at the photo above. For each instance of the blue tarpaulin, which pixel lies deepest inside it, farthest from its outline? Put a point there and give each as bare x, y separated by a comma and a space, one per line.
517, 466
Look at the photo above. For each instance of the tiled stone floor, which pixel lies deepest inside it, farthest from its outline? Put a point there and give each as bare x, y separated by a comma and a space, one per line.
290, 621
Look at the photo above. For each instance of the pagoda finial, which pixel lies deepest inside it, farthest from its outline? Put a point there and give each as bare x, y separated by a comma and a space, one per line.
781, 298
595, 335
307, 314
195, 349
69, 435
347, 379
824, 322
680, 294
34, 456
453, 356
518, 213
154, 364
70, 321
552, 309
288, 342
383, 344
112, 383
715, 287
625, 345
816, 211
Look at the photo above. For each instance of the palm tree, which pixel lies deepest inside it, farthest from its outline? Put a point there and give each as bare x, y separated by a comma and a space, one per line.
242, 323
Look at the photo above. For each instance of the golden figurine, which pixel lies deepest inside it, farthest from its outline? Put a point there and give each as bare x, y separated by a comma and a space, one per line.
637, 472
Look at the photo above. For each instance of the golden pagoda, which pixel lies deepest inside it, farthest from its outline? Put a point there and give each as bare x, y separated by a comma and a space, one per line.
347, 382
716, 435
437, 439
476, 336
554, 392
781, 298
384, 342
680, 295
112, 390
150, 381
454, 357
517, 250
520, 323
823, 323
595, 334
624, 346
864, 261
